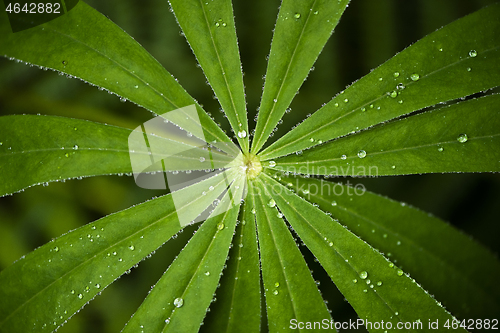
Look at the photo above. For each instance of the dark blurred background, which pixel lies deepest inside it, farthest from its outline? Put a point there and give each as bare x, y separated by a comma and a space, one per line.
370, 32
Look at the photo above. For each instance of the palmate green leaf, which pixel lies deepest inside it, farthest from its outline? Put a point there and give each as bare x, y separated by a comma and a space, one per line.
459, 272
85, 44
59, 148
238, 298
302, 29
463, 137
377, 289
45, 288
290, 291
458, 60
210, 30
179, 301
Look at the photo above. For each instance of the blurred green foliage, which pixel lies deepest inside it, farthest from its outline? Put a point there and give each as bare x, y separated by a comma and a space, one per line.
369, 33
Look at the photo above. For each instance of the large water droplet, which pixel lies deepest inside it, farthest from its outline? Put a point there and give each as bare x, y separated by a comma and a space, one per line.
396, 74
275, 292
297, 15
178, 302
473, 53
343, 157
271, 203
131, 247
272, 164
415, 77
462, 138
361, 154
400, 272
363, 275
220, 226
394, 94
242, 134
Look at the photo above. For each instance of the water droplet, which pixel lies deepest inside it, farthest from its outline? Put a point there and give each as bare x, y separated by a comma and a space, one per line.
399, 272
272, 164
123, 99
316, 12
131, 247
330, 244
178, 302
297, 15
207, 273
98, 286
473, 53
361, 154
1, 143
394, 94
346, 100
167, 321
275, 292
368, 281
469, 69
311, 140
415, 77
254, 211
202, 159
72, 292
56, 249
277, 284
136, 86
279, 215
242, 134
379, 283
220, 226
271, 203
440, 149
343, 157
80, 296
334, 203
396, 74
391, 265
462, 138
305, 191
363, 275
393, 167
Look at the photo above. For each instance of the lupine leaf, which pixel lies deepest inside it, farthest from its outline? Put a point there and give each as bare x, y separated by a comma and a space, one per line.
458, 60
457, 270
302, 29
463, 137
85, 44
290, 292
179, 301
376, 288
63, 275
210, 30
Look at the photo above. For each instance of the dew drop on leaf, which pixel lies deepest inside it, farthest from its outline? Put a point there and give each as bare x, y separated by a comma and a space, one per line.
440, 149
242, 134
394, 94
363, 275
462, 138
272, 164
396, 74
202, 159
400, 272
297, 15
275, 292
178, 302
379, 283
415, 77
56, 249
271, 203
361, 154
207, 273
355, 280
277, 284
131, 247
343, 157
334, 203
220, 226
80, 296
473, 53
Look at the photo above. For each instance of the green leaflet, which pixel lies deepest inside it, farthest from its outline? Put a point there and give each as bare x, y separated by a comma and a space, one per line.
49, 285
179, 301
59, 148
375, 288
302, 29
290, 291
457, 270
238, 298
210, 30
463, 137
85, 44
458, 60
